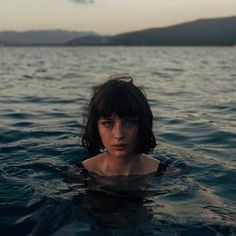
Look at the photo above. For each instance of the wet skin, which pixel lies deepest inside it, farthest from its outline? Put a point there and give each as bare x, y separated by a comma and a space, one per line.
119, 136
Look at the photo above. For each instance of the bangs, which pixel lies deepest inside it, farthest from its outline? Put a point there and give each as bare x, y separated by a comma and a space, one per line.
121, 101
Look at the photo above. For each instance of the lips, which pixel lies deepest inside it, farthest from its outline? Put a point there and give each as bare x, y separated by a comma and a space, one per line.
119, 146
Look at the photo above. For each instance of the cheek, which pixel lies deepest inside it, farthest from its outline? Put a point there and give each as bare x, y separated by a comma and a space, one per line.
103, 134
134, 135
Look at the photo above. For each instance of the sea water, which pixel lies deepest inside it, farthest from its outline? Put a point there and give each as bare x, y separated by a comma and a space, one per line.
192, 93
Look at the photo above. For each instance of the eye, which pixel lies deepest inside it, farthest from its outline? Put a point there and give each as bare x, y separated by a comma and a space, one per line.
107, 123
130, 123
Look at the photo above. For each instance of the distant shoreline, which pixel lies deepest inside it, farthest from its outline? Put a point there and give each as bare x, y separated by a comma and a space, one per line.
219, 32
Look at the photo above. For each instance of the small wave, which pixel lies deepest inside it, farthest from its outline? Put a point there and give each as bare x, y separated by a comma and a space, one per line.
41, 70
23, 124
70, 76
46, 100
47, 77
219, 137
161, 74
28, 77
174, 69
56, 114
46, 167
173, 137
15, 135
16, 115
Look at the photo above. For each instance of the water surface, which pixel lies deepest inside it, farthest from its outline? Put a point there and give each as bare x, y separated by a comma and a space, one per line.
192, 93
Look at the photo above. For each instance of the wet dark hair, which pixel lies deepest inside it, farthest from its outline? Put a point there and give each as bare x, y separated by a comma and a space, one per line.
121, 97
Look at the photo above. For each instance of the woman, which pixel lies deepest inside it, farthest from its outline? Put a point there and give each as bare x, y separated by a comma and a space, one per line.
118, 131
118, 135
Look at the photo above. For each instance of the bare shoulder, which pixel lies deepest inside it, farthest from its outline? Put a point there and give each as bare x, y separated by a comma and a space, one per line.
150, 159
91, 163
150, 163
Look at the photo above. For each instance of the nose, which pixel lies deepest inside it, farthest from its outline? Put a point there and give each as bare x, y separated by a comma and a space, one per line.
118, 131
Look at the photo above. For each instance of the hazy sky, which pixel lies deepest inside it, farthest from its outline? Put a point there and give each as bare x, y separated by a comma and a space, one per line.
107, 16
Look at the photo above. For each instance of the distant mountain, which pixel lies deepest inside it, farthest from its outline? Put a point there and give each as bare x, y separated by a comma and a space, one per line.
91, 40
204, 32
40, 37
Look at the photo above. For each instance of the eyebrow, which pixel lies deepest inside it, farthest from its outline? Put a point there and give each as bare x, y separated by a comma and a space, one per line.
129, 118
124, 118
105, 118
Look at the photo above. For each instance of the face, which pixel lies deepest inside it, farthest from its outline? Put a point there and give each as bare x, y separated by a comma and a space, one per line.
119, 136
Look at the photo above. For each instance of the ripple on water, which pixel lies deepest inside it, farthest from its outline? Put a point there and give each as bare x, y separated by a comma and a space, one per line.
194, 105
219, 137
23, 124
46, 100
16, 135
28, 77
16, 115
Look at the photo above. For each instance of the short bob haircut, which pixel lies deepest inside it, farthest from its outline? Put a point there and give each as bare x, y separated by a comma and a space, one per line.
121, 97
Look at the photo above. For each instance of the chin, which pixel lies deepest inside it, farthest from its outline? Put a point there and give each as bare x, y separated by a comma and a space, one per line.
121, 154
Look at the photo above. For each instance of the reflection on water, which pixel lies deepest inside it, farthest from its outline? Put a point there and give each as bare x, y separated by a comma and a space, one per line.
101, 203
121, 183
168, 204
192, 93
119, 210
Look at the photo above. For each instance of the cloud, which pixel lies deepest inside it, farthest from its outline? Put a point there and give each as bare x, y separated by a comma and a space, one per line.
83, 1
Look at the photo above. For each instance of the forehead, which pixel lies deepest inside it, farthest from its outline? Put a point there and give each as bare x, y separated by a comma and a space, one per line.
116, 117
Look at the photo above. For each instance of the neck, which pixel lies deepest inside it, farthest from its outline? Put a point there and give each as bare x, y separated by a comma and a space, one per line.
121, 165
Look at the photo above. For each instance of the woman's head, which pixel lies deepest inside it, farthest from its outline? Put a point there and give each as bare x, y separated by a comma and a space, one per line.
118, 97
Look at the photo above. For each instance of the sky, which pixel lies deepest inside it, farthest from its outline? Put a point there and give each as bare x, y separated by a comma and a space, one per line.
107, 17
